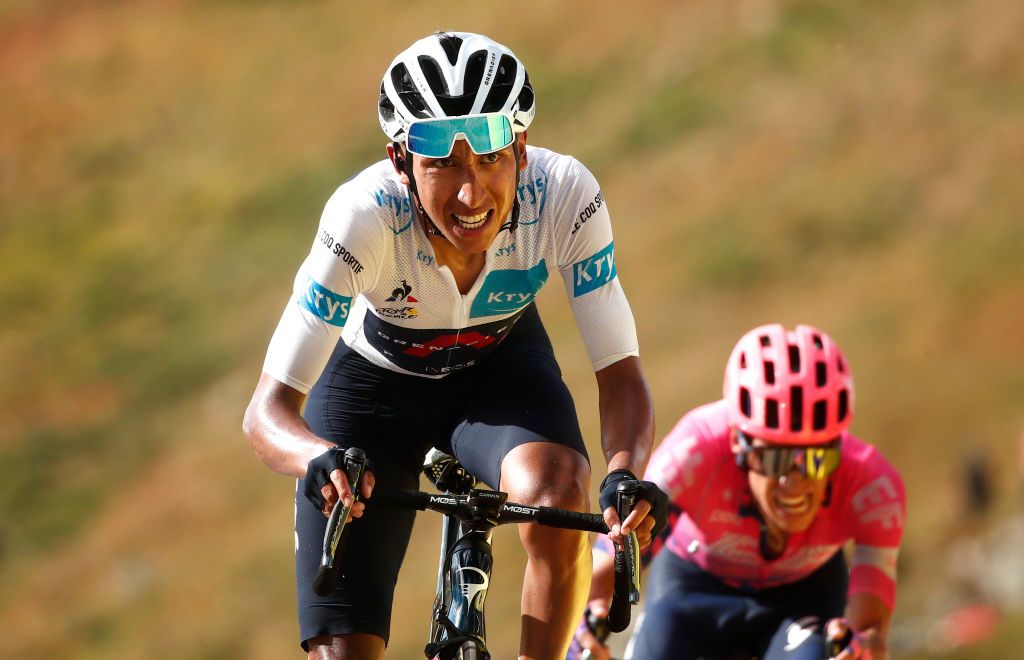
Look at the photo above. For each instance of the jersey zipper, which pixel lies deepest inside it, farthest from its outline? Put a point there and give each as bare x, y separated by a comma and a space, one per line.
463, 319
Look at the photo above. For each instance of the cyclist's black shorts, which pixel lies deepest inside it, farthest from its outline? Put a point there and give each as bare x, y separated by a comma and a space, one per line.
689, 613
478, 415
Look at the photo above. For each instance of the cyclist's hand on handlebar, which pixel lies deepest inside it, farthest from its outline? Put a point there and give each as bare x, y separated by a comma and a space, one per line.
339, 484
843, 642
637, 521
326, 481
649, 515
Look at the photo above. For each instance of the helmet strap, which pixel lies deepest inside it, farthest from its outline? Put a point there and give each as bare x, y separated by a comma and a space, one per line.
514, 222
404, 163
741, 455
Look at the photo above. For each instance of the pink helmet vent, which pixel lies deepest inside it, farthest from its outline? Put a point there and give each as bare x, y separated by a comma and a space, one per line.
789, 387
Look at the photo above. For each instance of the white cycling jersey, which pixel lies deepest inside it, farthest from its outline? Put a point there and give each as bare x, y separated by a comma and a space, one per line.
372, 278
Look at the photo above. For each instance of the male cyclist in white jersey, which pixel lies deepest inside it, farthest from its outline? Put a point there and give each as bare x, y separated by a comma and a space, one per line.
413, 325
767, 486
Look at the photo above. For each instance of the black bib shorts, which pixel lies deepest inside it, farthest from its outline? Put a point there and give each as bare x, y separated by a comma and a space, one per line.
689, 613
515, 396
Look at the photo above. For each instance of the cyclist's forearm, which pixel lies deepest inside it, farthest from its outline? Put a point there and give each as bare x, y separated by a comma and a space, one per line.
869, 616
627, 415
275, 428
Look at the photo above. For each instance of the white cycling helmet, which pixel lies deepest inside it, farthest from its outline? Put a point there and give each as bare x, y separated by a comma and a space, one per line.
451, 74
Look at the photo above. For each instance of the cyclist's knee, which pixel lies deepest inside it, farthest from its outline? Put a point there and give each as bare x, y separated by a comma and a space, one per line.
546, 474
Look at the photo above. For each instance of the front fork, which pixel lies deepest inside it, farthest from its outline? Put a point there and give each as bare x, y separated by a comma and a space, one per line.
469, 571
463, 578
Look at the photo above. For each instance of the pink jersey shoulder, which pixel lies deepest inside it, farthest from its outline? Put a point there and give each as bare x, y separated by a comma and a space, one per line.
872, 493
699, 440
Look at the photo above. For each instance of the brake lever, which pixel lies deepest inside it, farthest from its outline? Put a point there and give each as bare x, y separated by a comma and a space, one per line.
327, 575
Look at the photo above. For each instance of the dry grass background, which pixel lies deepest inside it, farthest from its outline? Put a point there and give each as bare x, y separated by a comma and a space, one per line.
163, 165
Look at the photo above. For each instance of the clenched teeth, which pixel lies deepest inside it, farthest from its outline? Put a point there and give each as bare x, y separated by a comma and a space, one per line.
793, 504
470, 221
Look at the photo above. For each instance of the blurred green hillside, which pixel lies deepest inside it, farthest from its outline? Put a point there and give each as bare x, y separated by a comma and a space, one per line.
162, 170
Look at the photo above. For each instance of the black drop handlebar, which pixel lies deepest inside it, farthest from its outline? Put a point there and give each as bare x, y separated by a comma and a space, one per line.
473, 507
334, 538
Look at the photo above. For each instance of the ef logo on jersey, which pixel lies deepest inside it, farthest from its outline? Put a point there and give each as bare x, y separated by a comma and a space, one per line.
324, 303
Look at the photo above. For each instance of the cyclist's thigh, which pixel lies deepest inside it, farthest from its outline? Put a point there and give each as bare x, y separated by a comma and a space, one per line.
516, 396
687, 614
356, 646
358, 404
802, 609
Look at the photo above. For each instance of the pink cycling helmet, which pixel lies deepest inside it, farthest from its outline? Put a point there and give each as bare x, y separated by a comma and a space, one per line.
789, 387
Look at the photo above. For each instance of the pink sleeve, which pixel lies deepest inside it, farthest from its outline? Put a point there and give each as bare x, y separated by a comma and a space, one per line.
878, 508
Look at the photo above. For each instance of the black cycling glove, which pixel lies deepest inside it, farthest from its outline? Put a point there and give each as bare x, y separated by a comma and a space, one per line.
318, 474
647, 490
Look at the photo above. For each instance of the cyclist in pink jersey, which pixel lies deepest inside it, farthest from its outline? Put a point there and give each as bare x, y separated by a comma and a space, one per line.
766, 487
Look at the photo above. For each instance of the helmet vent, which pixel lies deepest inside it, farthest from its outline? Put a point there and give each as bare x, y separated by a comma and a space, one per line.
840, 364
794, 359
820, 412
401, 79
743, 360
796, 412
526, 94
475, 71
432, 72
769, 372
387, 108
451, 45
771, 413
501, 86
745, 402
818, 344
844, 403
408, 93
766, 340
820, 374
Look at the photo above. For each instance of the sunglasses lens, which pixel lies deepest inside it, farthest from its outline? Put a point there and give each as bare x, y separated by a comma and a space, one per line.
777, 461
434, 138
820, 462
430, 139
812, 462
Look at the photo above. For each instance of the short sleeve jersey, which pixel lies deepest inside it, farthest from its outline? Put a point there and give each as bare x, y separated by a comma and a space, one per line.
718, 528
371, 278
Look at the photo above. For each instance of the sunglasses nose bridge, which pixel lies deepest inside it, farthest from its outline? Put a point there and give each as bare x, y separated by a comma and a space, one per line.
794, 475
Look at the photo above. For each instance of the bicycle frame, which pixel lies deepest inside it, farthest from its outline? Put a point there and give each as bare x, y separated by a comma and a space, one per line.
464, 564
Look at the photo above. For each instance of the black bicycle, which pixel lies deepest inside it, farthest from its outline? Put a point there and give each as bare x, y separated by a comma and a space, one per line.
458, 630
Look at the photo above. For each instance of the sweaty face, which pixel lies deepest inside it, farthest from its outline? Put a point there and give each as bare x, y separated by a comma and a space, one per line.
790, 502
469, 195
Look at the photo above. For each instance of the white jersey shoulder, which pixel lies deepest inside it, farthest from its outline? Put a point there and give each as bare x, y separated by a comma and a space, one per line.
372, 277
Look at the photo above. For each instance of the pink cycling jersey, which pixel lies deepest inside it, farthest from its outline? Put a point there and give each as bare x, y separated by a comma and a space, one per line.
718, 528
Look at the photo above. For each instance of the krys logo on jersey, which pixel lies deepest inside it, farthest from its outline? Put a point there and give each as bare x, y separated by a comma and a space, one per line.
324, 303
507, 291
593, 272
533, 197
400, 207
